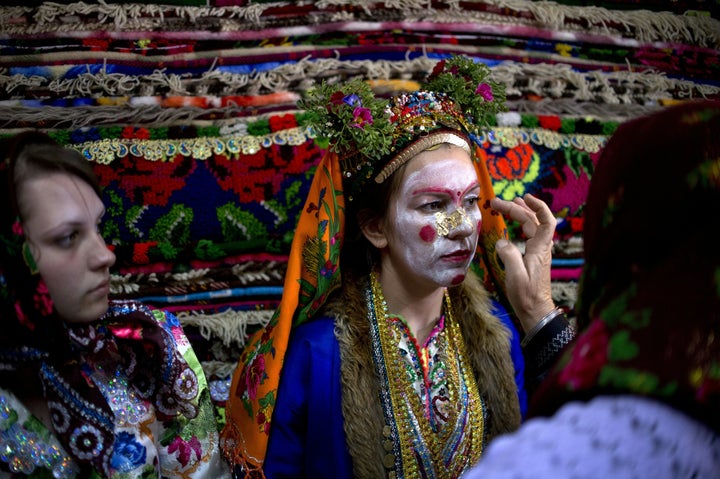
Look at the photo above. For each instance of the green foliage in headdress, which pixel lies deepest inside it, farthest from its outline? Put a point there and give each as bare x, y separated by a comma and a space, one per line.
469, 86
350, 117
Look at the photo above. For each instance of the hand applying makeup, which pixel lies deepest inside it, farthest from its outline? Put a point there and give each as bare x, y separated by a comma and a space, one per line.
528, 274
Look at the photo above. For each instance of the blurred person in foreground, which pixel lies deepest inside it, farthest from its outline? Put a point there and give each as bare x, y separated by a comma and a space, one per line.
637, 394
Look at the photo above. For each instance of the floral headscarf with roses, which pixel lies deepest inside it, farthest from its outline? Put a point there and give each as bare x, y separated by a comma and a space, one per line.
649, 302
128, 337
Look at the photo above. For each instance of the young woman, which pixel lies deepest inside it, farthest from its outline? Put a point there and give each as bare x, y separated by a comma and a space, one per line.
88, 387
400, 363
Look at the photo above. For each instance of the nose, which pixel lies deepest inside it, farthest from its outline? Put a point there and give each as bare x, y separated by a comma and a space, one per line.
463, 229
100, 256
455, 225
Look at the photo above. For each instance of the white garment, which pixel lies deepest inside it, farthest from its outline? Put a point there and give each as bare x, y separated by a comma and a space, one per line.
609, 437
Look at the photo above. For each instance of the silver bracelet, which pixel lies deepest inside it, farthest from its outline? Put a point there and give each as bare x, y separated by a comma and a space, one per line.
540, 324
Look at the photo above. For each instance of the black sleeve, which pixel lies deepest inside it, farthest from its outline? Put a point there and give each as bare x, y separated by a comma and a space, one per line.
544, 347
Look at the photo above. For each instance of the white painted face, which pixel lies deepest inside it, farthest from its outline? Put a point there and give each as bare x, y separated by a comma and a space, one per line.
433, 219
60, 215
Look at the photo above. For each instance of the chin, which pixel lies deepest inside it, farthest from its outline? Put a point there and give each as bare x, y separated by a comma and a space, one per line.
89, 314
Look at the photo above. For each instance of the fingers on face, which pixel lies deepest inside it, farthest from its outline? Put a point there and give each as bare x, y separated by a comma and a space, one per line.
527, 210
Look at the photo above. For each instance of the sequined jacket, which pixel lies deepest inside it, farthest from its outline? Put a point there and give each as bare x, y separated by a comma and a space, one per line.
146, 445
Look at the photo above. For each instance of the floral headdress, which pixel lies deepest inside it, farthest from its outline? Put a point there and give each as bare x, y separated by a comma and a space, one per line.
374, 136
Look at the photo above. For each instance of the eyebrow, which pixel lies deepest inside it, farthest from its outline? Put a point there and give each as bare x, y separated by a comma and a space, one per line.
72, 223
447, 191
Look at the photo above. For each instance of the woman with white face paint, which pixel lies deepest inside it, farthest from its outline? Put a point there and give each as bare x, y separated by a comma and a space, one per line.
400, 362
89, 387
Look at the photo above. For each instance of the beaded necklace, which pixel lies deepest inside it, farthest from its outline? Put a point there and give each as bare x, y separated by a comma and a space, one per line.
414, 448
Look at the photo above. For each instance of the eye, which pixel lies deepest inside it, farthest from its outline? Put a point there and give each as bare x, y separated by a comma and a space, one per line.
471, 201
67, 240
432, 206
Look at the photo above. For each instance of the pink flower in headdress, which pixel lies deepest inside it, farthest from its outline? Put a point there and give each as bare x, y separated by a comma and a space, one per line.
42, 299
485, 91
17, 228
126, 331
362, 117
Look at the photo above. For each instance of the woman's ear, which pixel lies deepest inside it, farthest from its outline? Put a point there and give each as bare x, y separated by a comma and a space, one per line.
372, 229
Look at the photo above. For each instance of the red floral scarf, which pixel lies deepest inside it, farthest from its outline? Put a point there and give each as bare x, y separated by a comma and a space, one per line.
649, 303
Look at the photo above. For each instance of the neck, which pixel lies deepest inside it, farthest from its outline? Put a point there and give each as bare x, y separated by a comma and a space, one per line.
420, 308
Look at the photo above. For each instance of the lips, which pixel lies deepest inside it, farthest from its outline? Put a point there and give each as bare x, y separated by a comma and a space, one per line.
102, 288
459, 256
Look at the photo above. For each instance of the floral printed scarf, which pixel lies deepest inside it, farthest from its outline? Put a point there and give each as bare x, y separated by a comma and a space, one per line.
649, 303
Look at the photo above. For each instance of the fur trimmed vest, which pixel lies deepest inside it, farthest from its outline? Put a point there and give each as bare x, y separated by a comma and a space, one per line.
488, 346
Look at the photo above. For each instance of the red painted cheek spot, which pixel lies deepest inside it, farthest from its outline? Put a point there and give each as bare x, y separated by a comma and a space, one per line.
427, 234
458, 279
479, 225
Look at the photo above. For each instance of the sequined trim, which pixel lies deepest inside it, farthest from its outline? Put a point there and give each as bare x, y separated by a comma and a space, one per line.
25, 450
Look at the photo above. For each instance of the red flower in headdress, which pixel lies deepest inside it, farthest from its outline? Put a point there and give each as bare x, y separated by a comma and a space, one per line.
336, 99
282, 122
17, 228
550, 122
438, 69
42, 299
